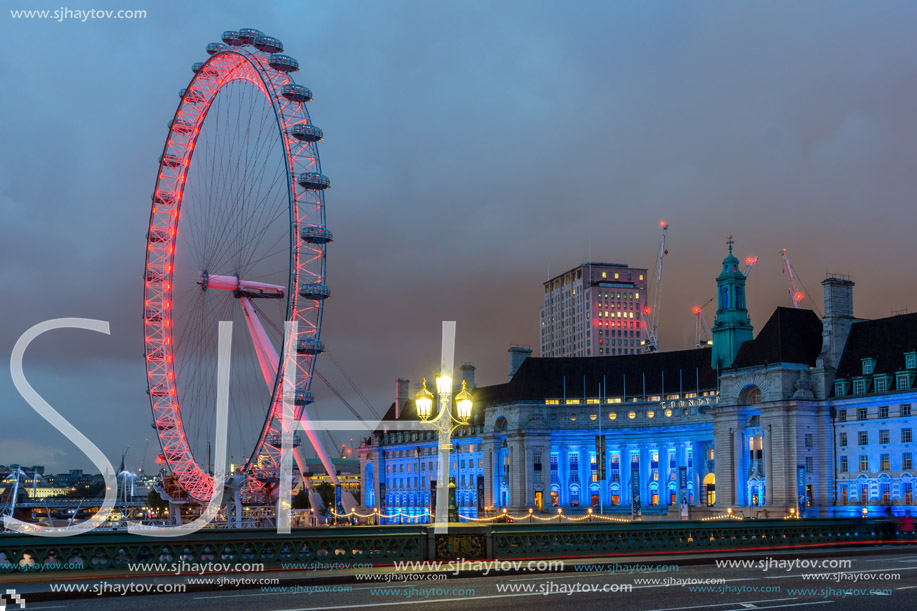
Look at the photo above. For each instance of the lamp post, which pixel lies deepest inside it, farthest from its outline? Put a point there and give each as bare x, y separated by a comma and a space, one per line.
445, 423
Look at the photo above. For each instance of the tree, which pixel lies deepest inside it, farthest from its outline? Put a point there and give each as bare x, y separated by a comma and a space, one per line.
301, 500
326, 490
156, 502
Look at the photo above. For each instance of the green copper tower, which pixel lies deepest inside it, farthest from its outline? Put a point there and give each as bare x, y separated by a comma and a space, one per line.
732, 326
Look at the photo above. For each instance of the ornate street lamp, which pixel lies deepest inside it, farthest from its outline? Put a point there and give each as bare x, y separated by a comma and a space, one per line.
464, 403
424, 402
445, 423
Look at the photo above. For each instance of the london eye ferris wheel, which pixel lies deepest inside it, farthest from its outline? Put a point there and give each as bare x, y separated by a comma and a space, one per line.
237, 232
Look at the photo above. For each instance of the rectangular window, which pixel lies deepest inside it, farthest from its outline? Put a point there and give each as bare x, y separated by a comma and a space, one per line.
864, 463
886, 493
842, 415
883, 462
859, 387
907, 461
843, 464
883, 436
808, 440
883, 411
910, 360
840, 388
905, 409
862, 413
842, 494
906, 436
809, 464
863, 438
574, 467
869, 366
902, 380
843, 440
881, 385
907, 490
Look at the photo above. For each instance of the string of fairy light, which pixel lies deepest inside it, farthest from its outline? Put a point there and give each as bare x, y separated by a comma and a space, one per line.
531, 516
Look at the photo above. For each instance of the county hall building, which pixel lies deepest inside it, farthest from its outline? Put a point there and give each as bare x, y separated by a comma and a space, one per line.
811, 415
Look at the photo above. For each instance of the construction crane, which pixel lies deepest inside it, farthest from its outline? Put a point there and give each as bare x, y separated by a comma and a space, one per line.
702, 336
749, 265
652, 324
795, 294
701, 330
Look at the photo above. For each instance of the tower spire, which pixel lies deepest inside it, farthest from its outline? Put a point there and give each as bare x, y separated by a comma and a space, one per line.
732, 327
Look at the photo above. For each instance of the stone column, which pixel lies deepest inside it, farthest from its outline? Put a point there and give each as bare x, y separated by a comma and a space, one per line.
738, 496
487, 455
768, 466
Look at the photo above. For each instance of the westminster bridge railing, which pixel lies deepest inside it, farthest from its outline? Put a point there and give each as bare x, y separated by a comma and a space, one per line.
381, 545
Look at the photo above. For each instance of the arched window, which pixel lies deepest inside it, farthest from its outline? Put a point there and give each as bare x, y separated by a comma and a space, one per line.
750, 395
710, 488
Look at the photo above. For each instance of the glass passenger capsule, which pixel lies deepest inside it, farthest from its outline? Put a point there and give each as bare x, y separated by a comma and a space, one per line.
314, 290
283, 63
306, 133
296, 93
316, 182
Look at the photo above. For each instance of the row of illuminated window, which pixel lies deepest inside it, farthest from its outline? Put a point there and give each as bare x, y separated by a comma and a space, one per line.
429, 451
619, 296
884, 437
862, 413
869, 363
903, 380
907, 463
880, 494
628, 324
432, 464
617, 276
617, 351
618, 314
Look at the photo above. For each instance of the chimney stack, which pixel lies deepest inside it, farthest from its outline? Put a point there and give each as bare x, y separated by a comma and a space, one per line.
468, 375
838, 319
402, 394
517, 354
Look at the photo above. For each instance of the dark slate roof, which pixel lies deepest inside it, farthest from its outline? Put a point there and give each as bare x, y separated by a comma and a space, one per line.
572, 377
885, 339
409, 412
789, 336
554, 378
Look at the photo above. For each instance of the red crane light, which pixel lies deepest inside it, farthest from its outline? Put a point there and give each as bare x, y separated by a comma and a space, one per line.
696, 310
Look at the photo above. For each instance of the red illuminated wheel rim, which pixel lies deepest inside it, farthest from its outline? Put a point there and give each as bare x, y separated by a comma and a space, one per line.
237, 232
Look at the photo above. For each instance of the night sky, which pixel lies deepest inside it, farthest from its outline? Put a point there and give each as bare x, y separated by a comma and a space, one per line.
471, 147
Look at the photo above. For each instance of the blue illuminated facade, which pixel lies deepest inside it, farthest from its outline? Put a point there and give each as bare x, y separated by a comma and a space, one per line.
813, 415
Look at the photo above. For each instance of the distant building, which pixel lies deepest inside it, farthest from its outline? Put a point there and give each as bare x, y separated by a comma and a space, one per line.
347, 470
594, 310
